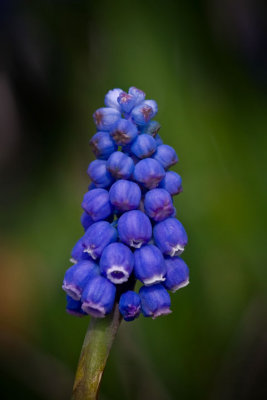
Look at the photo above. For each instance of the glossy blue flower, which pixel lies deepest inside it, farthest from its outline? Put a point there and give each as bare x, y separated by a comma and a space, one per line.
97, 237
158, 204
177, 275
123, 132
74, 307
105, 118
116, 263
120, 165
102, 145
126, 102
130, 305
165, 155
148, 172
125, 195
96, 204
138, 94
77, 276
77, 253
134, 228
111, 98
170, 236
155, 301
98, 297
143, 146
172, 182
152, 128
149, 265
99, 174
144, 112
86, 220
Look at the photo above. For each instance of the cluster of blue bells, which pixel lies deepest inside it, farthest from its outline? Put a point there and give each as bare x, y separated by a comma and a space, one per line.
131, 232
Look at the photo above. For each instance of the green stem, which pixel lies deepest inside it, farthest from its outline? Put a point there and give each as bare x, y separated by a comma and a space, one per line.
94, 354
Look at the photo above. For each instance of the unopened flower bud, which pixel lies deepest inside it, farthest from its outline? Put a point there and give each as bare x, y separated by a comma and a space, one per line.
148, 172
125, 195
120, 165
165, 155
143, 146
102, 145
111, 98
158, 204
105, 118
172, 182
124, 132
96, 204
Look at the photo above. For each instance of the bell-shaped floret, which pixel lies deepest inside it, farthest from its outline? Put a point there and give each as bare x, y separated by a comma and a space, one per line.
98, 297
144, 112
120, 165
134, 228
124, 132
177, 275
77, 276
125, 195
96, 203
149, 265
170, 236
102, 145
116, 262
98, 173
97, 237
143, 146
165, 155
158, 204
155, 301
105, 118
149, 173
172, 182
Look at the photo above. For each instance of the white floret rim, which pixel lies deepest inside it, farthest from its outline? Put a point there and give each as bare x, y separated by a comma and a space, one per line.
90, 252
72, 291
154, 279
180, 285
117, 268
136, 243
95, 310
161, 311
176, 250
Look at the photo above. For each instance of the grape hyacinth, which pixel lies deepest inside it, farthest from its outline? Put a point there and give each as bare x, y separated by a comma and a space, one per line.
129, 221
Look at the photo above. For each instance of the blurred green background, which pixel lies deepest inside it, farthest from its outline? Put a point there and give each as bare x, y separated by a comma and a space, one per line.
204, 62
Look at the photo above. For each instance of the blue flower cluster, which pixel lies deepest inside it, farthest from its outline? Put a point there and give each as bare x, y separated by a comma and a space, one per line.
131, 232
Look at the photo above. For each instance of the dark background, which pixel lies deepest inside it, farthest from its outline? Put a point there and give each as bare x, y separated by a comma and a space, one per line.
204, 62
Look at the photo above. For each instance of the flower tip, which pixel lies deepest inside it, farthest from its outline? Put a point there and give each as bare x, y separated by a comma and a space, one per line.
72, 291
